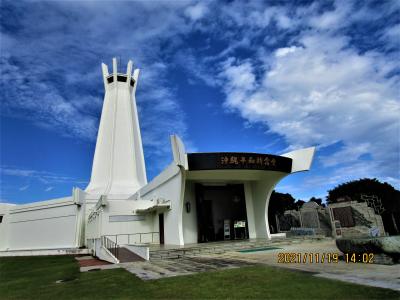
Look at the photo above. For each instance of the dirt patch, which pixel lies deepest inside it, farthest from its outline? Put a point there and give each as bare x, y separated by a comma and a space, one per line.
92, 262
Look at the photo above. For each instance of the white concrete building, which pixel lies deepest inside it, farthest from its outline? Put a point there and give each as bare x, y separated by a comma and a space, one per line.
199, 197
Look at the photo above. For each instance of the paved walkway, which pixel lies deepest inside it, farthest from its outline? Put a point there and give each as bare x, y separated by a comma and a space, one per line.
183, 266
384, 276
157, 269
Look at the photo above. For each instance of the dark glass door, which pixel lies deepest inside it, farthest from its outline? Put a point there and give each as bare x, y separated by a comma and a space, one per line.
161, 226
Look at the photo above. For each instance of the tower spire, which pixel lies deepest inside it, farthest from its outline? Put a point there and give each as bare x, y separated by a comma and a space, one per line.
118, 163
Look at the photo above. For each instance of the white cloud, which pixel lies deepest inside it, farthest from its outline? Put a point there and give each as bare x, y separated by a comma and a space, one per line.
158, 107
285, 51
282, 20
392, 36
346, 173
42, 102
42, 176
196, 12
322, 93
333, 19
55, 81
257, 15
48, 189
393, 32
239, 76
23, 188
196, 67
349, 153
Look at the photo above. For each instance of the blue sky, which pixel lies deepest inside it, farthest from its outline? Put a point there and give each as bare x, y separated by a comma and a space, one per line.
262, 76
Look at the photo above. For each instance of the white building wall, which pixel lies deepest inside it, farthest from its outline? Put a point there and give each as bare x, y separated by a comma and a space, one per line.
190, 219
170, 185
261, 192
44, 225
4, 225
119, 221
118, 218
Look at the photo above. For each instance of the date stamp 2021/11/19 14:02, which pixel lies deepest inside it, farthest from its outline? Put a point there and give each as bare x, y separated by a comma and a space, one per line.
309, 257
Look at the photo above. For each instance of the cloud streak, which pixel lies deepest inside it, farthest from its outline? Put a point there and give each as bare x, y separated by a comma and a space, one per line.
43, 176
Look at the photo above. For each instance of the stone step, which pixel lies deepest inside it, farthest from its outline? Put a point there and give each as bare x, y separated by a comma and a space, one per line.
203, 247
195, 251
219, 248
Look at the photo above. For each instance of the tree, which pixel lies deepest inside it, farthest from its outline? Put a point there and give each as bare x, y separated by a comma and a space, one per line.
278, 203
389, 196
317, 200
298, 204
281, 202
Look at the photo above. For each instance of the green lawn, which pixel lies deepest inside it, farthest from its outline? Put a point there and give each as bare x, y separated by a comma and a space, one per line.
35, 278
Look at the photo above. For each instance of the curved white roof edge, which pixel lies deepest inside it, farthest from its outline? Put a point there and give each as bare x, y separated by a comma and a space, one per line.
301, 159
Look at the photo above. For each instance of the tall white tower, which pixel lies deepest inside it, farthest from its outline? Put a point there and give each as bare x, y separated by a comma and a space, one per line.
118, 164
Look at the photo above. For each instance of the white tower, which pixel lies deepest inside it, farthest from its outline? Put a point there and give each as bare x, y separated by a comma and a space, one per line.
118, 164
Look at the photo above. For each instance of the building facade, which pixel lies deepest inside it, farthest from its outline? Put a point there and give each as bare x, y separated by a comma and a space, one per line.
199, 197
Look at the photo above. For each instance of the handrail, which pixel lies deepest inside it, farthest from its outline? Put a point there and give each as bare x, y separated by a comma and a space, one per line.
110, 245
128, 235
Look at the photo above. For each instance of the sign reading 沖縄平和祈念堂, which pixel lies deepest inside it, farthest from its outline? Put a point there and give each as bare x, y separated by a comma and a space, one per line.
244, 161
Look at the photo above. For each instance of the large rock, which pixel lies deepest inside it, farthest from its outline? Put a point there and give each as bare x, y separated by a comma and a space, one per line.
388, 245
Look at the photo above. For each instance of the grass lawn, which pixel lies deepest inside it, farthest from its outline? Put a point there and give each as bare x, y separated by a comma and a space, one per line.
35, 278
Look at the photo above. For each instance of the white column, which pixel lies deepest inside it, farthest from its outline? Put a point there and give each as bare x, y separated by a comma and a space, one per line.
250, 210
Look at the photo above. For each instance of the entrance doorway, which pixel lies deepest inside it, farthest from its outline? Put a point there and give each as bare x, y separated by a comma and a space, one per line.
221, 212
161, 228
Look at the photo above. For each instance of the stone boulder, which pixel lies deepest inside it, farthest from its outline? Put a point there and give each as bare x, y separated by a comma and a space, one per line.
387, 245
